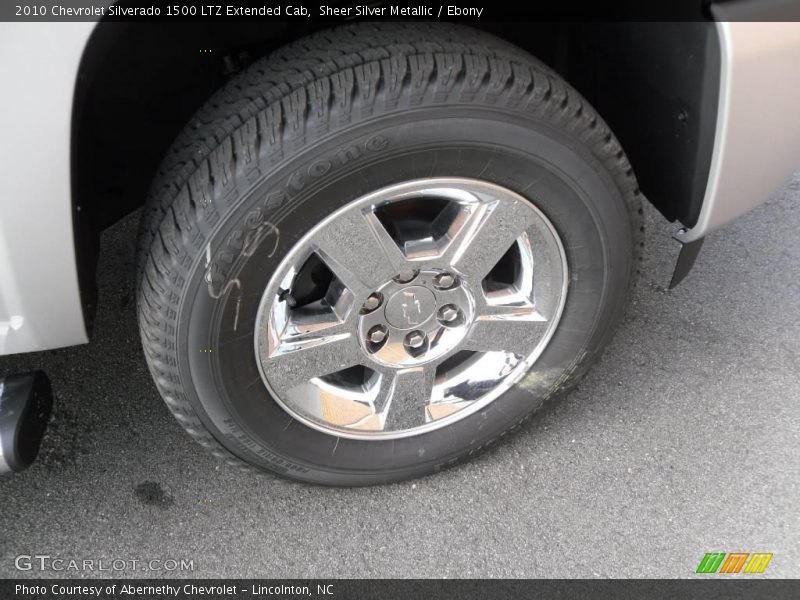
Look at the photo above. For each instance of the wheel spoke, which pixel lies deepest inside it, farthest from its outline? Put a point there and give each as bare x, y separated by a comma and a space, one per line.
360, 252
514, 328
297, 359
445, 408
403, 396
485, 236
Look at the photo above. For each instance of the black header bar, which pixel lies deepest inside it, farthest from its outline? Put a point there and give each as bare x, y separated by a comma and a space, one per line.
345, 10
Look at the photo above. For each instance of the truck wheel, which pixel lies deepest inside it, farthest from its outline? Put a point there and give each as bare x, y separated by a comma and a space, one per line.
380, 249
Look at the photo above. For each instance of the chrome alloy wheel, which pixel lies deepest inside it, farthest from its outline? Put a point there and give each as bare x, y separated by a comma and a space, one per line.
410, 308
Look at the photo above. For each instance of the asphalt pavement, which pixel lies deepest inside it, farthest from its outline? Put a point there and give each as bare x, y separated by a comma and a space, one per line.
683, 439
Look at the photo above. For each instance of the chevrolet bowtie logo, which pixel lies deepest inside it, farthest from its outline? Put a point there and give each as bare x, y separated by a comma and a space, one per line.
411, 308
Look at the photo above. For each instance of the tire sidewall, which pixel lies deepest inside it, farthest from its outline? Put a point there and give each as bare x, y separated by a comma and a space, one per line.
268, 213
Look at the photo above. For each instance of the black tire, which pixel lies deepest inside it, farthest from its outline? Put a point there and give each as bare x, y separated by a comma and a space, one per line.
386, 99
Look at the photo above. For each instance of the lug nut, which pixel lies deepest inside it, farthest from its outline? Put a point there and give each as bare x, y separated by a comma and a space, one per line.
415, 340
377, 334
406, 275
448, 313
371, 303
444, 281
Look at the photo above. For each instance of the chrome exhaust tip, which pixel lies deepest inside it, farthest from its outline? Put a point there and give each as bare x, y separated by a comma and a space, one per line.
25, 403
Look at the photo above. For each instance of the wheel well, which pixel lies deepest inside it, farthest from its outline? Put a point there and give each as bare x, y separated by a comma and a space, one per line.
656, 84
138, 86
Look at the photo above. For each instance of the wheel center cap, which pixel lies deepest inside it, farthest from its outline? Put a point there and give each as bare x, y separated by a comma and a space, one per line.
410, 307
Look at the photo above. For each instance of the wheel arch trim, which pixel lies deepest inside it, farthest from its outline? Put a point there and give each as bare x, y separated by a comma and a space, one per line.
756, 148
